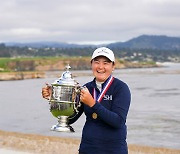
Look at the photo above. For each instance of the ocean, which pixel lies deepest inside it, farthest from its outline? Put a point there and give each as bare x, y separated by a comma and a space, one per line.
153, 119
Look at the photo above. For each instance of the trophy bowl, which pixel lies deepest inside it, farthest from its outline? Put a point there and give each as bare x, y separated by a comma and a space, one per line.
64, 100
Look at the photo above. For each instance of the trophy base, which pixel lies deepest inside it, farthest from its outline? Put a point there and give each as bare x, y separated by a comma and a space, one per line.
62, 125
62, 129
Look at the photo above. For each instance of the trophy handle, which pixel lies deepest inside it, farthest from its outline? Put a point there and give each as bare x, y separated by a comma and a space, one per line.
77, 105
79, 88
78, 102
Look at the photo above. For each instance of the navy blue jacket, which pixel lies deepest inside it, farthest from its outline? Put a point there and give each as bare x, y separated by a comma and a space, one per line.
106, 134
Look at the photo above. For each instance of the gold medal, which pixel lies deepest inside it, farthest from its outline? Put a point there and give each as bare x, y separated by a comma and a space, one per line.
94, 115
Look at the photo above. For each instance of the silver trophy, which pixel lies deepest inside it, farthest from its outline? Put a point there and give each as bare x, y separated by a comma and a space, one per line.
64, 100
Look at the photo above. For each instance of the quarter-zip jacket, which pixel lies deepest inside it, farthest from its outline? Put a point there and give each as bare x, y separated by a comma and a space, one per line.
106, 134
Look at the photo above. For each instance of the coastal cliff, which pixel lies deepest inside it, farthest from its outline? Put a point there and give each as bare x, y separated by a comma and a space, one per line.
30, 68
21, 75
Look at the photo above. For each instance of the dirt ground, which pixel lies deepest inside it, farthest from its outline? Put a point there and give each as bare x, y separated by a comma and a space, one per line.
13, 143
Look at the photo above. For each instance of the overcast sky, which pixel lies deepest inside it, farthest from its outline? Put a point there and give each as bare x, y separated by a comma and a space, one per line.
84, 21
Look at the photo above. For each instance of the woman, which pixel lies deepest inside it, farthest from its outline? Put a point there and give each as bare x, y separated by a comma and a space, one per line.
105, 102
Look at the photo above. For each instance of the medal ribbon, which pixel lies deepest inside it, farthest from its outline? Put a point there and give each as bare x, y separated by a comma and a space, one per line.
104, 90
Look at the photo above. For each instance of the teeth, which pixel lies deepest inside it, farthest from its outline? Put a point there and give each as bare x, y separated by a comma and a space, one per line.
100, 72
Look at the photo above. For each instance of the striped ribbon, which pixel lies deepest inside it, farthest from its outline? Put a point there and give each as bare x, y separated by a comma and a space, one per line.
104, 90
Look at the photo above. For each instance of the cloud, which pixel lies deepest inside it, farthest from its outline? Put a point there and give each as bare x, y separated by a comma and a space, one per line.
90, 20
26, 31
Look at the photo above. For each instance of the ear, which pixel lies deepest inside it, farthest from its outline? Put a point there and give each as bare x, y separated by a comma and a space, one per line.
113, 65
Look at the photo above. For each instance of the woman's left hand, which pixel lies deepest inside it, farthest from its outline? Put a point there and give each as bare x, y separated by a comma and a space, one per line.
86, 97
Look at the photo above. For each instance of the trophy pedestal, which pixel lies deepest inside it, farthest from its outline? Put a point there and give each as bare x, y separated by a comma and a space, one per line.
62, 125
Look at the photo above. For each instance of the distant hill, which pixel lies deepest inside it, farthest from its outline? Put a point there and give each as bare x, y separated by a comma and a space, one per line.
45, 44
149, 42
157, 42
142, 48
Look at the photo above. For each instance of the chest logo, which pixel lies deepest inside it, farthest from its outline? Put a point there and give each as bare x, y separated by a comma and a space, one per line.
108, 97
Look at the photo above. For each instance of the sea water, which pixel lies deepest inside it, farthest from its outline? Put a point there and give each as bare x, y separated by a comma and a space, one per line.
153, 119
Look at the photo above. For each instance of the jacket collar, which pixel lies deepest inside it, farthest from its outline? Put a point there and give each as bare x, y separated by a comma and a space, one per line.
93, 83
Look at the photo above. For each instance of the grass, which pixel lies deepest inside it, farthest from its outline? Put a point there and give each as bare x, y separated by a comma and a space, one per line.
4, 62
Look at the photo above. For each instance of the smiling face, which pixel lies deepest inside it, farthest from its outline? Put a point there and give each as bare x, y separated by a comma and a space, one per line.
102, 68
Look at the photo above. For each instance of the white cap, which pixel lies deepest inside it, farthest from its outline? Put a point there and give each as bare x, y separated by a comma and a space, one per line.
103, 51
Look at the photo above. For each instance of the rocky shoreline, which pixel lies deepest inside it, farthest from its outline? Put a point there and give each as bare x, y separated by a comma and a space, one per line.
6, 76
40, 71
38, 144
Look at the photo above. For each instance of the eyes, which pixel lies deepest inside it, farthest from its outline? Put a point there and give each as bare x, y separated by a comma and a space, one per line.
101, 62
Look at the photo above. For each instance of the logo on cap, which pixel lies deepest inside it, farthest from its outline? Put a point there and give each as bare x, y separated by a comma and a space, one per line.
103, 51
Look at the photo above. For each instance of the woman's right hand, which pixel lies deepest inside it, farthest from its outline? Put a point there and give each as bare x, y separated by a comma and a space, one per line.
46, 92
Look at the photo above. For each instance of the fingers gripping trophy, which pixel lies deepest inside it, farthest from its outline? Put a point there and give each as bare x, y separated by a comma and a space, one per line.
64, 99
